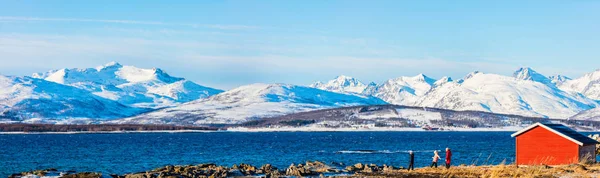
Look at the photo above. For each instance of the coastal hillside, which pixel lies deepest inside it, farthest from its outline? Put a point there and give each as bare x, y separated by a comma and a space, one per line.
251, 102
587, 115
396, 117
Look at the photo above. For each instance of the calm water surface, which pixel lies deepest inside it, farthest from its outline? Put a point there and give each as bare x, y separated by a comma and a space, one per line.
134, 152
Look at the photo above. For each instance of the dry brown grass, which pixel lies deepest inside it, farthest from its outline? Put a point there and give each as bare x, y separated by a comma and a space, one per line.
576, 170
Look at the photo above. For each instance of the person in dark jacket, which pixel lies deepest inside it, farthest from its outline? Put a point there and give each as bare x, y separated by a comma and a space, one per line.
448, 158
411, 166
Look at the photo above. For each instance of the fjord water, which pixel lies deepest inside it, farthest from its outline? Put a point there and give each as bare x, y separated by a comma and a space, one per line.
135, 152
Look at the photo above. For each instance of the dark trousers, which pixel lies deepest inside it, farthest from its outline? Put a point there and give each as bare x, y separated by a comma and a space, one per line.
411, 166
447, 165
433, 164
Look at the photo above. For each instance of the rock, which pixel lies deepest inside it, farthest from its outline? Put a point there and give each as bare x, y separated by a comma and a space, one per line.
387, 168
359, 166
116, 176
206, 165
170, 168
83, 175
247, 169
319, 167
266, 169
351, 168
17, 175
235, 173
137, 175
368, 169
274, 173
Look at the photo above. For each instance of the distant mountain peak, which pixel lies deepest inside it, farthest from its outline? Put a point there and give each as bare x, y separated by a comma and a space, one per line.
111, 64
559, 79
526, 73
344, 77
472, 74
423, 78
341, 84
443, 80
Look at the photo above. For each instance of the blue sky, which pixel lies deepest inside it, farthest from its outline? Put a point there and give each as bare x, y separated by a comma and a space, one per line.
225, 44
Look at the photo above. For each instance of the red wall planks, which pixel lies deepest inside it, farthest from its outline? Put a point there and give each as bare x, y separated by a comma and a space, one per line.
541, 146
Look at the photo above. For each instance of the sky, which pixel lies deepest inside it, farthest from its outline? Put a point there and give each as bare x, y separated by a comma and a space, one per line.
225, 44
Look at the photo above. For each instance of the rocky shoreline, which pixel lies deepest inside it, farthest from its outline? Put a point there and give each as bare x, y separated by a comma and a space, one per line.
320, 169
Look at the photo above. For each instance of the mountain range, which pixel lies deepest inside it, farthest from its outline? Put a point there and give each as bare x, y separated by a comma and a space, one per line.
129, 85
526, 93
115, 93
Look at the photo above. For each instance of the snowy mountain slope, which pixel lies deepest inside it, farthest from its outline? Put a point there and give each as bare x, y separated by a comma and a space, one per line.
130, 85
507, 95
588, 85
24, 98
403, 90
588, 115
341, 84
249, 102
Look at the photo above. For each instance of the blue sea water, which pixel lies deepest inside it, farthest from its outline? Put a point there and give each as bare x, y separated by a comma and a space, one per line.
135, 152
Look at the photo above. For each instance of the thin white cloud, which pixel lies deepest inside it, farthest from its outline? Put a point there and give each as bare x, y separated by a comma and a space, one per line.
133, 22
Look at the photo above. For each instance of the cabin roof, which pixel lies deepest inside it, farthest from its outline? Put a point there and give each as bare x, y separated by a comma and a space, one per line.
563, 131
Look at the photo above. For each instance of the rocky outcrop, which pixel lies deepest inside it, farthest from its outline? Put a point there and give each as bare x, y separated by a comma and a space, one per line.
55, 172
309, 168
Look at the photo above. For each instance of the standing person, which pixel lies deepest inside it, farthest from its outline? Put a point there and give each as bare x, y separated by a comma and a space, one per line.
435, 157
411, 166
448, 158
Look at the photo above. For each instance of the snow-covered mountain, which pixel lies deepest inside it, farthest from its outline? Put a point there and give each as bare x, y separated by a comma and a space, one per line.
342, 84
588, 85
249, 102
403, 90
526, 93
150, 88
23, 98
506, 95
115, 91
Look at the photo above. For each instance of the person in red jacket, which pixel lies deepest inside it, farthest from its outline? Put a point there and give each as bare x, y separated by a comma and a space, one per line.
448, 158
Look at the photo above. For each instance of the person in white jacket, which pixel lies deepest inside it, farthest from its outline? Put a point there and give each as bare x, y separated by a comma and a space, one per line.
435, 157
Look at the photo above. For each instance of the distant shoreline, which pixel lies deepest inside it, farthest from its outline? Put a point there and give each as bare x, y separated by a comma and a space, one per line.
97, 128
256, 131
113, 132
140, 128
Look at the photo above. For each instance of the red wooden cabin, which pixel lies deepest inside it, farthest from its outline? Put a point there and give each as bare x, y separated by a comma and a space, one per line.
553, 144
